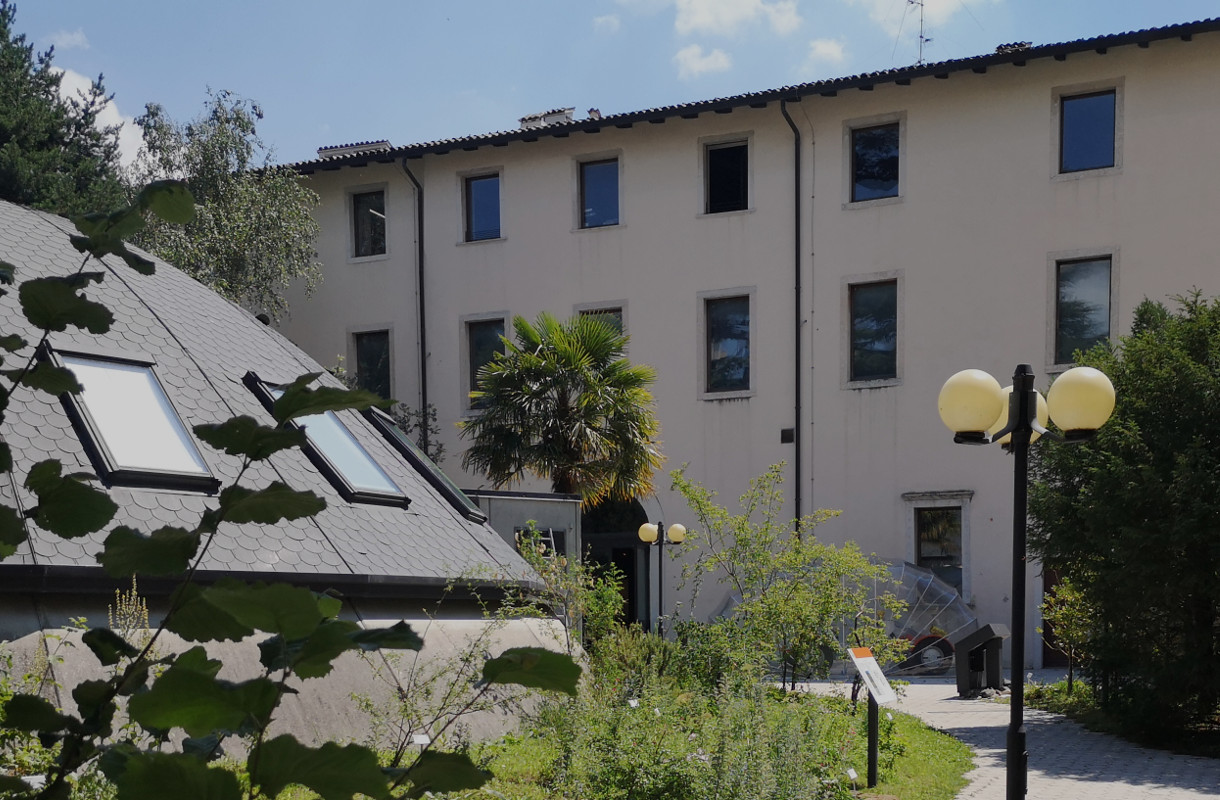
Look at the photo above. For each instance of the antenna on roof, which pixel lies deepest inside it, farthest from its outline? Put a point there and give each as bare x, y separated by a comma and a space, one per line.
923, 40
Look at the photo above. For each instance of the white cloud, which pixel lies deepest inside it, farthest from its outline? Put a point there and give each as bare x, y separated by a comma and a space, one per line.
69, 40
607, 24
889, 13
73, 84
826, 51
693, 62
727, 17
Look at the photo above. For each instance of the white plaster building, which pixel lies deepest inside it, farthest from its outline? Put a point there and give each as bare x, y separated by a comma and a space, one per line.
855, 241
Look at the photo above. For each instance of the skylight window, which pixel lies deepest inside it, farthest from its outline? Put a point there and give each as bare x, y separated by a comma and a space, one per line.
128, 423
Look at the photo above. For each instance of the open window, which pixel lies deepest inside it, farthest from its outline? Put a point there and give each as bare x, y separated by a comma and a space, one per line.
337, 454
130, 429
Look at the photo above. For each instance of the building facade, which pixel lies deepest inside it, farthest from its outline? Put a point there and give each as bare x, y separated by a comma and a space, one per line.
803, 266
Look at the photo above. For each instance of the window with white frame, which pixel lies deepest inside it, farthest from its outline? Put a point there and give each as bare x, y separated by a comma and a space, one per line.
939, 529
373, 361
368, 224
128, 423
1082, 305
481, 207
599, 193
726, 176
875, 162
1087, 126
873, 309
726, 338
611, 315
483, 341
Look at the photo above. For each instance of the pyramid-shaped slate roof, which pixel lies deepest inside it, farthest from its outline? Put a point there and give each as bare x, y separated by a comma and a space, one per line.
201, 346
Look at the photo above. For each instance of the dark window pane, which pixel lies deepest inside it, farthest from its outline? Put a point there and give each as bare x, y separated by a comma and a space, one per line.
368, 220
874, 331
599, 193
727, 177
373, 362
1086, 132
483, 339
874, 162
612, 316
938, 542
728, 344
483, 208
1082, 311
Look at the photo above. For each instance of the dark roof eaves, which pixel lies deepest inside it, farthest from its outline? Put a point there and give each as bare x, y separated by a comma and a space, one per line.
760, 98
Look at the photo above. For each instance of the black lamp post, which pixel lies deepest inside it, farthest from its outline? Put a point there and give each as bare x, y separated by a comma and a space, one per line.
971, 404
649, 534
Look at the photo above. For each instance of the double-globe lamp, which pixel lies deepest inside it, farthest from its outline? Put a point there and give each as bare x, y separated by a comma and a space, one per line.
973, 406
650, 533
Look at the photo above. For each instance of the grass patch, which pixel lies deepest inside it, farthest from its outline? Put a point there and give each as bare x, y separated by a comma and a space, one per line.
931, 766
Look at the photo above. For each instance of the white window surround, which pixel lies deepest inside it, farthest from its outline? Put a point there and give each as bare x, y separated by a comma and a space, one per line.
721, 294
349, 215
899, 277
1053, 260
1057, 95
464, 338
956, 498
857, 123
577, 211
129, 425
704, 142
461, 177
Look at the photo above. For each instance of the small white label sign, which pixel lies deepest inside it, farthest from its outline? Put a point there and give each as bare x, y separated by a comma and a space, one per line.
870, 671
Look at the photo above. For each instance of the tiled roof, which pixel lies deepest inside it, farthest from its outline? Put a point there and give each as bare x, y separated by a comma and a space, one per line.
1006, 54
202, 346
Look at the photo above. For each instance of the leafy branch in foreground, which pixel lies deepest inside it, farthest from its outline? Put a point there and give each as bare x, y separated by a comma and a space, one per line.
302, 634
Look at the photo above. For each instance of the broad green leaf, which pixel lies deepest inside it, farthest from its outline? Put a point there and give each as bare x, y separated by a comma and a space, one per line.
91, 224
167, 551
12, 531
136, 261
398, 636
444, 772
206, 748
48, 378
170, 200
28, 712
244, 436
67, 506
298, 400
268, 506
95, 702
12, 342
189, 696
107, 645
312, 657
334, 772
7, 271
53, 304
197, 620
291, 611
535, 667
155, 776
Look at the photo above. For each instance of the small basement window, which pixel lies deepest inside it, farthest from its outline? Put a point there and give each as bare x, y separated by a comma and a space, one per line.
126, 421
337, 454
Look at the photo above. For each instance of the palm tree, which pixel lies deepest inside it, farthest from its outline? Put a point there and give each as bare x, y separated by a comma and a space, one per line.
563, 403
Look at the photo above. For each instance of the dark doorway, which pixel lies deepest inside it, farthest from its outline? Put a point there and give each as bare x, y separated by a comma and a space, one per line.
609, 532
1052, 656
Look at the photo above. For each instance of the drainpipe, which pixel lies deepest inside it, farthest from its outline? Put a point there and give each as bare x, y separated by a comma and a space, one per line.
421, 310
797, 332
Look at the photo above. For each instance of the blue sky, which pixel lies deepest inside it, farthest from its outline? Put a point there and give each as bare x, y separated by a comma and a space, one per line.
328, 73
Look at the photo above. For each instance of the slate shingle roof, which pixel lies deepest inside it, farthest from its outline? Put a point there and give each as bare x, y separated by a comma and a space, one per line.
1013, 54
202, 345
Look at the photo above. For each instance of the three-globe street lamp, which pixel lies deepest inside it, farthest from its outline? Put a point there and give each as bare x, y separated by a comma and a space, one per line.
650, 533
971, 404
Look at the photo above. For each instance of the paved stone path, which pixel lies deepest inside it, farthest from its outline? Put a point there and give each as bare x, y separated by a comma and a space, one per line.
1066, 761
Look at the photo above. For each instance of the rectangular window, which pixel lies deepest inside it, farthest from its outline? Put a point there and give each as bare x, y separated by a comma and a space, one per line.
1086, 131
727, 177
368, 224
482, 342
938, 543
1082, 306
599, 193
482, 203
611, 316
874, 162
728, 344
373, 362
874, 330
127, 421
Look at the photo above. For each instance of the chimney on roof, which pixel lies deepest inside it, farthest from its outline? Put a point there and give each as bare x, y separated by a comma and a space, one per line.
556, 116
1014, 47
595, 113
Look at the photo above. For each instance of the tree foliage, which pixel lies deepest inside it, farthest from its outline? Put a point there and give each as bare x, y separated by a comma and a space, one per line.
301, 632
53, 156
1131, 518
563, 403
253, 232
795, 595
